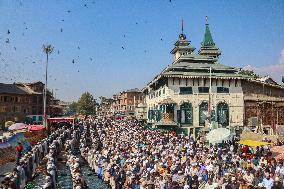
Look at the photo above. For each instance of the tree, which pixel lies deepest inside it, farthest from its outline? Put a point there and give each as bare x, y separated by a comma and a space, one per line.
71, 109
86, 104
248, 72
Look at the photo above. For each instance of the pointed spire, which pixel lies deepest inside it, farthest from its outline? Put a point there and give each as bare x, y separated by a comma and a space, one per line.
182, 26
182, 45
207, 40
206, 19
208, 47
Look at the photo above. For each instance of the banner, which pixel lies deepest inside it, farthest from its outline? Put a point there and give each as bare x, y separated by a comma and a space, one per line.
19, 137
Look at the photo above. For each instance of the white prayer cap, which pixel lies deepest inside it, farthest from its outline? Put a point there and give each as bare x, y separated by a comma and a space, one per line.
186, 187
260, 185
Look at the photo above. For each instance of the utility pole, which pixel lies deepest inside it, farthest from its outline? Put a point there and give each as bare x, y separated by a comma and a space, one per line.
47, 49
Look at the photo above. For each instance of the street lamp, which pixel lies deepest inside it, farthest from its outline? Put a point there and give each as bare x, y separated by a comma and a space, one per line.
47, 49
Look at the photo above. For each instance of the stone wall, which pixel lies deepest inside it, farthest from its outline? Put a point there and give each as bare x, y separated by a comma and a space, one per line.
264, 102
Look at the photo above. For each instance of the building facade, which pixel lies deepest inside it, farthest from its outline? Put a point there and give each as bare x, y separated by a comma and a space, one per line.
19, 100
126, 101
196, 90
141, 112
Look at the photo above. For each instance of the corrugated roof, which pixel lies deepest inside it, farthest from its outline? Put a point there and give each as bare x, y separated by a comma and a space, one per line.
202, 74
202, 66
11, 89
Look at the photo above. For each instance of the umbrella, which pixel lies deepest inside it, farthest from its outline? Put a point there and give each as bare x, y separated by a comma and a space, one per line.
218, 135
8, 123
277, 149
35, 127
254, 143
17, 126
278, 152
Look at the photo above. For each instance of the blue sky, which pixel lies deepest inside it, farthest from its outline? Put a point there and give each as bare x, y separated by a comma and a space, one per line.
249, 34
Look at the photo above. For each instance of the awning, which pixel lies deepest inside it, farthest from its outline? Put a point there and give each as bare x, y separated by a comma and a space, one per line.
166, 123
35, 127
60, 119
17, 126
254, 143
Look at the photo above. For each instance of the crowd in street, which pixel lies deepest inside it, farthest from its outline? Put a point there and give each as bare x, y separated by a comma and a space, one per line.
128, 156
27, 163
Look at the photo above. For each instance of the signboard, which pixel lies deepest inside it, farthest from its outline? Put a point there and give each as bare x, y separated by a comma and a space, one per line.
19, 137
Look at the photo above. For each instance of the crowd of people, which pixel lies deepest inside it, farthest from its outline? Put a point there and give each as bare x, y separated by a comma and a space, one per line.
128, 156
74, 161
28, 162
51, 159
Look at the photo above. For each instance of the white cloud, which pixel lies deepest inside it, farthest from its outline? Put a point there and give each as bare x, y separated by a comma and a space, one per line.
276, 71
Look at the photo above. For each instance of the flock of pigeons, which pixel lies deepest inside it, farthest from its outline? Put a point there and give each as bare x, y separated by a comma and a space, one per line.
8, 40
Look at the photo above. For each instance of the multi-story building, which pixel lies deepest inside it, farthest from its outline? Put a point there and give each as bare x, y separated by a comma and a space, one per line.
196, 90
126, 101
141, 112
19, 100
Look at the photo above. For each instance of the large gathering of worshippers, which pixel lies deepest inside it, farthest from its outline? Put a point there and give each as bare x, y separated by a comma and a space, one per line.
126, 155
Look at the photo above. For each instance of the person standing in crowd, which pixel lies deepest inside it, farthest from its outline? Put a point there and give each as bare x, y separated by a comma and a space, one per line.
19, 149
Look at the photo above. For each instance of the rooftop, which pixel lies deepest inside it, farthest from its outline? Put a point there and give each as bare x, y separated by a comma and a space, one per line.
11, 89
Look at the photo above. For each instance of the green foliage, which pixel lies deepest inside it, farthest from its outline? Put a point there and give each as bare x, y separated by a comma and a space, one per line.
248, 72
105, 100
86, 104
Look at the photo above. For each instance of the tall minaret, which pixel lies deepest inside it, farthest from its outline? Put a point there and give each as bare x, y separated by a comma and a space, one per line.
208, 47
182, 46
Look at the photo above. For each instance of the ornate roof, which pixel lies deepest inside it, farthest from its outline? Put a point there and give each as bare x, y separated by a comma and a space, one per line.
207, 40
208, 46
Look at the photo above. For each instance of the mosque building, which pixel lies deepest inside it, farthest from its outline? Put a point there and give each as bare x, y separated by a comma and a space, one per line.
196, 91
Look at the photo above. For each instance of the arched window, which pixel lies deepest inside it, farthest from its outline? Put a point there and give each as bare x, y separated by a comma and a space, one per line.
223, 114
186, 113
203, 113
